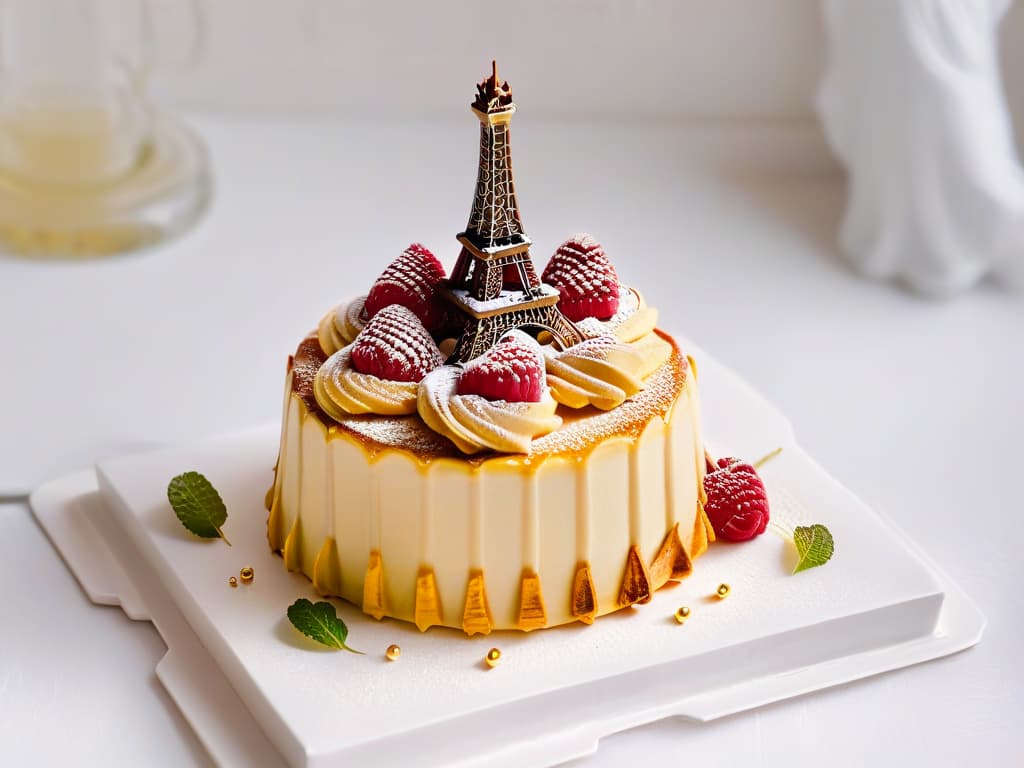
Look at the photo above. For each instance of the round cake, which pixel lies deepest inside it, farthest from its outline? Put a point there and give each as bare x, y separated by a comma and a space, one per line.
491, 449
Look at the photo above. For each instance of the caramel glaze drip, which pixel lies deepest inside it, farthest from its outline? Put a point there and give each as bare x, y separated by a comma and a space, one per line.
630, 418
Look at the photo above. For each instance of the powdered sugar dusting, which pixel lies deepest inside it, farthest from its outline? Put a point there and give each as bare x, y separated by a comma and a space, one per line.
581, 430
584, 277
394, 345
594, 348
584, 429
410, 280
511, 370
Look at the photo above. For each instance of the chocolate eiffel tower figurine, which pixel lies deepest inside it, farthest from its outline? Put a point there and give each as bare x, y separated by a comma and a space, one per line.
494, 283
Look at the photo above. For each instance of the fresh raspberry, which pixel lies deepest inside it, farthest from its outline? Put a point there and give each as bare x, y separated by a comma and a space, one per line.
737, 501
512, 370
410, 280
581, 272
394, 345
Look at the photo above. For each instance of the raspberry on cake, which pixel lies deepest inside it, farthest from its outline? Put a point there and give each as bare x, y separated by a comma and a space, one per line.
380, 371
411, 280
585, 279
395, 346
510, 371
550, 469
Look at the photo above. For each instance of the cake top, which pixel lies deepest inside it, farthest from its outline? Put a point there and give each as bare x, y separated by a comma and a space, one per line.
581, 430
491, 357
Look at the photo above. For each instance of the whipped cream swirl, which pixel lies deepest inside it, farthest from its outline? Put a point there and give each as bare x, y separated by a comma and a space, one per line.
601, 371
341, 390
633, 319
340, 326
475, 423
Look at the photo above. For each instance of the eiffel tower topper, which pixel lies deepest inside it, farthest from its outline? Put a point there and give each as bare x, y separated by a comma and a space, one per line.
494, 286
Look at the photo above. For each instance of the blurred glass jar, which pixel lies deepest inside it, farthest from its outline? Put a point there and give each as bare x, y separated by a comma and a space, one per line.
87, 167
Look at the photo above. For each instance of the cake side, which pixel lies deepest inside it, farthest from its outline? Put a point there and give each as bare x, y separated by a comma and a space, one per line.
390, 518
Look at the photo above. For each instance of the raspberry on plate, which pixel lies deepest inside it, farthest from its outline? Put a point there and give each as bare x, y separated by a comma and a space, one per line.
512, 370
410, 280
584, 277
737, 503
395, 346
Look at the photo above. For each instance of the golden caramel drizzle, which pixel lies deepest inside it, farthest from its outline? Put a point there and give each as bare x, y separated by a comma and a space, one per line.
373, 586
532, 614
636, 581
709, 529
476, 615
584, 596
671, 562
701, 526
275, 522
292, 550
327, 569
427, 612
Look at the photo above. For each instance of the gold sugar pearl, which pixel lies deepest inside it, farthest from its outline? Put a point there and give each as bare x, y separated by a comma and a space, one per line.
233, 581
492, 658
393, 652
247, 574
723, 591
682, 614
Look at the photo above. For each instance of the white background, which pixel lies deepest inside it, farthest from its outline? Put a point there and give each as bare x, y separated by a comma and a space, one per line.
682, 135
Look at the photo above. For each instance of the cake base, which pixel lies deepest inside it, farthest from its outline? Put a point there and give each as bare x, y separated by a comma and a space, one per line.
876, 606
387, 514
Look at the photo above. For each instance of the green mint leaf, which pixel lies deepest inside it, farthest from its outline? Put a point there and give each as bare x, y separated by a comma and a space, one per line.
319, 621
813, 544
198, 505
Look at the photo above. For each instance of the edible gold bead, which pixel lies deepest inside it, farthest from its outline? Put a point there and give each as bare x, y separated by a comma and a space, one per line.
723, 591
492, 658
233, 581
682, 614
393, 652
247, 574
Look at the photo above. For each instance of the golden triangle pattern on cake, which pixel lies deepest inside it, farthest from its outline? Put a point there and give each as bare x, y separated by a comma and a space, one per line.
532, 614
476, 615
327, 569
373, 586
636, 581
428, 602
671, 562
584, 598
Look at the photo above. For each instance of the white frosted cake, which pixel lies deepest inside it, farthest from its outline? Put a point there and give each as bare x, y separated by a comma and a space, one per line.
491, 449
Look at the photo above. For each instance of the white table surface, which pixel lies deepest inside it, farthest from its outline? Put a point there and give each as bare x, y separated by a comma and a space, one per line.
914, 405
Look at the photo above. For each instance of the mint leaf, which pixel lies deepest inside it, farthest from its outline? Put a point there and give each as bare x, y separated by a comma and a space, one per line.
813, 544
319, 621
198, 505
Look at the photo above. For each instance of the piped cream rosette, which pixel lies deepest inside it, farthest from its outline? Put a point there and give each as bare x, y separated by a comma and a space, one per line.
342, 391
610, 366
340, 326
600, 371
474, 423
393, 344
632, 321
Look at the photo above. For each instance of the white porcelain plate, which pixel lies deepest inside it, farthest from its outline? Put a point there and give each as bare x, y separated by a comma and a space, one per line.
259, 693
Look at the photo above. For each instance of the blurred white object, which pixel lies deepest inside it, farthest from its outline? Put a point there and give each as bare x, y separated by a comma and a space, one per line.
86, 166
912, 103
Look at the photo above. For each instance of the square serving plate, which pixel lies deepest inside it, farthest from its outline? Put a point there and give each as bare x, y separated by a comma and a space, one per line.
259, 693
